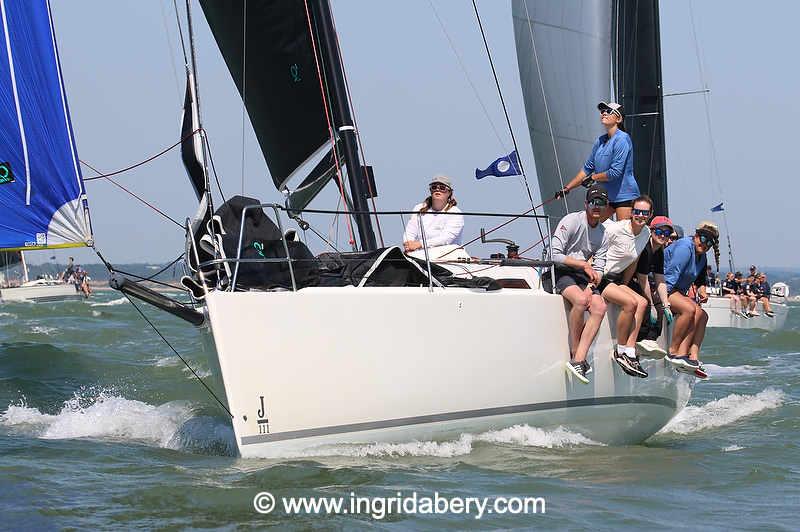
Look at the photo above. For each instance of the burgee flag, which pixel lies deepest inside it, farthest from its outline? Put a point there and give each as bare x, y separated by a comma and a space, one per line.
505, 166
717, 208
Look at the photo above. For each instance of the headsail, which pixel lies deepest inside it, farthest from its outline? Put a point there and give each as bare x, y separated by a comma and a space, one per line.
637, 76
573, 46
278, 81
41, 187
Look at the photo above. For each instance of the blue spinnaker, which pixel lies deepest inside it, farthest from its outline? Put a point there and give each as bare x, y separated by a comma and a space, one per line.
42, 198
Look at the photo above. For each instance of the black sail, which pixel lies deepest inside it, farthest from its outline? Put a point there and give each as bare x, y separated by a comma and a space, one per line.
637, 77
278, 80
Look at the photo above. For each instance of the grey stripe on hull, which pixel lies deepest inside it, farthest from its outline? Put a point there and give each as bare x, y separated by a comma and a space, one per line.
450, 416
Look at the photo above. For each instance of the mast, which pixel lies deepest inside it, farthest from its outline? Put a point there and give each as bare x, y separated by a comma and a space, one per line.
343, 121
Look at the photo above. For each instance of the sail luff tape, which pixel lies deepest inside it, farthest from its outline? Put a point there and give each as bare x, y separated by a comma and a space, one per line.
347, 128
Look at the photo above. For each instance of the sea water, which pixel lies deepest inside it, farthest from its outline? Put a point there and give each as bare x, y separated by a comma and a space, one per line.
102, 426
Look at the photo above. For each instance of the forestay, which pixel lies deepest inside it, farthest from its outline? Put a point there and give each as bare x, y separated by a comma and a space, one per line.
42, 195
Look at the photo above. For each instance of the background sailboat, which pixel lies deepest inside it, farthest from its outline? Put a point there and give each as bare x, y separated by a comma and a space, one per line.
42, 194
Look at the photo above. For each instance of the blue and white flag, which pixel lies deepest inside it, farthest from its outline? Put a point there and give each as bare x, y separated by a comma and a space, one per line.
717, 208
505, 166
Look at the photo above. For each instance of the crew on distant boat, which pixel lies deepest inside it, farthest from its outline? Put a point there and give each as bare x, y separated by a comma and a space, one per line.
440, 228
626, 241
764, 288
730, 289
651, 264
753, 293
68, 271
611, 162
685, 266
579, 237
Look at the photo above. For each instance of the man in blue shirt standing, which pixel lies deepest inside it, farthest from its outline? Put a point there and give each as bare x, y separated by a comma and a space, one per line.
684, 265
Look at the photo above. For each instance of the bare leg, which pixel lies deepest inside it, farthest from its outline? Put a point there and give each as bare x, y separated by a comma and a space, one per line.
579, 301
683, 308
765, 302
615, 294
641, 308
597, 309
700, 320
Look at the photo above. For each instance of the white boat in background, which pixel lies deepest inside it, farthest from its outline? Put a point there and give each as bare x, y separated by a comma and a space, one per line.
720, 314
42, 193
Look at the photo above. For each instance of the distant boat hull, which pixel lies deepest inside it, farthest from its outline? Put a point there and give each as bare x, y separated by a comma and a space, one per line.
720, 315
40, 293
321, 366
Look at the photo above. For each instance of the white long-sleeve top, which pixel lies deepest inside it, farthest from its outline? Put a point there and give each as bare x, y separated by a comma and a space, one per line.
440, 228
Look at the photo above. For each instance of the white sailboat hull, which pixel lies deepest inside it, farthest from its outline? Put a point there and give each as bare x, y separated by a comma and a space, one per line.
720, 315
362, 365
39, 293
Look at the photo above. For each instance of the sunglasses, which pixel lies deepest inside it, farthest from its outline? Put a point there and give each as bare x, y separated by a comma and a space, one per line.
608, 112
662, 232
597, 203
641, 212
707, 240
439, 187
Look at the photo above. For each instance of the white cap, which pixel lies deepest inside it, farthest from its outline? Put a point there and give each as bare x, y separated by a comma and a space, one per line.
613, 106
443, 179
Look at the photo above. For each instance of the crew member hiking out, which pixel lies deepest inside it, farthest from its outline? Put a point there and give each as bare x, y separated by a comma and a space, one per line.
579, 237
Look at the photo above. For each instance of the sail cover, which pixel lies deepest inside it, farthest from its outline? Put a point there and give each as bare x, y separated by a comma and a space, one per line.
269, 54
573, 47
637, 76
42, 197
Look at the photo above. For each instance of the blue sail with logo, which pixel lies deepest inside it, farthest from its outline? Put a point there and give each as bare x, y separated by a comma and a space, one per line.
42, 196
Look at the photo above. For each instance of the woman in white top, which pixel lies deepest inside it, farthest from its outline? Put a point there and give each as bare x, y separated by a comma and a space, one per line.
626, 241
442, 226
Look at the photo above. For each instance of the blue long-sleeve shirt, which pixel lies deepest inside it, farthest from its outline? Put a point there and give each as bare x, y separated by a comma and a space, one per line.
682, 266
615, 157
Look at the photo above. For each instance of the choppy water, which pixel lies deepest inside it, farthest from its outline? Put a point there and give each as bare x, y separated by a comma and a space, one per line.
100, 427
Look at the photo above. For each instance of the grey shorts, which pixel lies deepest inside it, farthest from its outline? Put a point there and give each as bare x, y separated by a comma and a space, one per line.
566, 279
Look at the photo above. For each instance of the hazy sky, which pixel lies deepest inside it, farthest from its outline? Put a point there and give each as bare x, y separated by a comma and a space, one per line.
418, 115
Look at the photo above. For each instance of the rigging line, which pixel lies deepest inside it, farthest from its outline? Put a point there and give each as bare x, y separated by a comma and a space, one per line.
171, 55
323, 92
357, 132
706, 101
110, 268
213, 168
244, 81
149, 159
165, 215
180, 33
159, 272
467, 76
199, 379
505, 111
546, 106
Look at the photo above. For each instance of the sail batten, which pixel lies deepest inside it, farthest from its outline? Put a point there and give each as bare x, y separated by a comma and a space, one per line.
42, 197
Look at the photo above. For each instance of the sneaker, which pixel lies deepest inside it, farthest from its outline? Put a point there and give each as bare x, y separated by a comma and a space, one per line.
770, 314
650, 348
744, 315
679, 361
624, 363
754, 313
700, 373
636, 367
692, 364
586, 368
578, 370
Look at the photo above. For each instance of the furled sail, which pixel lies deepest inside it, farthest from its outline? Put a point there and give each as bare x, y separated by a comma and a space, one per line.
269, 54
637, 76
561, 90
42, 194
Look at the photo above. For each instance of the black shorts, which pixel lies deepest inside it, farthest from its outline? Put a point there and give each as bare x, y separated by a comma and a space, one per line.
608, 279
565, 279
618, 204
